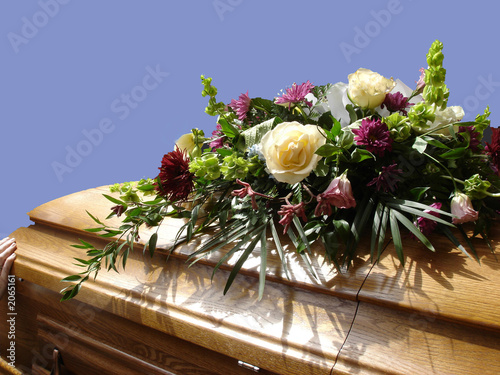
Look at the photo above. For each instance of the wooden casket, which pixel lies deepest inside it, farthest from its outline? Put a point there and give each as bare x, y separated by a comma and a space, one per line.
438, 314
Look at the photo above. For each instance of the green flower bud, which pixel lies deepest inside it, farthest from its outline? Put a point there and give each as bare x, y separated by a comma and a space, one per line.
476, 188
399, 126
206, 166
420, 114
435, 91
234, 167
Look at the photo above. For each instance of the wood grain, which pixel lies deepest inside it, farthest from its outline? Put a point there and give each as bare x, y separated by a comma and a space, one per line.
385, 341
446, 284
289, 329
438, 314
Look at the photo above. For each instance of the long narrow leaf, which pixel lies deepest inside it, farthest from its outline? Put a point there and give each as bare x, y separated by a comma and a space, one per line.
241, 260
302, 234
263, 263
279, 247
410, 210
396, 236
304, 256
413, 229
454, 240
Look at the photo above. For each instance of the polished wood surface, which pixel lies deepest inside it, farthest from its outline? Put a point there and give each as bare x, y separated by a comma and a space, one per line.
438, 314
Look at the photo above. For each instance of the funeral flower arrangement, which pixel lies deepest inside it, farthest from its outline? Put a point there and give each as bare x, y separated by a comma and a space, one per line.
318, 163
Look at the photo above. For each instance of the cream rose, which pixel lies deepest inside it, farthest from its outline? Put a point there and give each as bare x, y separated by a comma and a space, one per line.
186, 143
368, 89
289, 150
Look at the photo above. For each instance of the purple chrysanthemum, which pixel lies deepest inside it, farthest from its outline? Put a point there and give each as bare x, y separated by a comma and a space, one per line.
374, 135
425, 225
474, 136
396, 103
296, 94
387, 178
241, 106
493, 150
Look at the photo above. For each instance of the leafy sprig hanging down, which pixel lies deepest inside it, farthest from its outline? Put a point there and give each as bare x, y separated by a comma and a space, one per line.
317, 164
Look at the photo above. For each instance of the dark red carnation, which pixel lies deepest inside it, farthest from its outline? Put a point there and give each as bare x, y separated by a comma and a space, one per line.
175, 180
493, 150
374, 135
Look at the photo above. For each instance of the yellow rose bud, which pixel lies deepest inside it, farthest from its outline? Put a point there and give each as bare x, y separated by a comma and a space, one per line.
368, 89
186, 143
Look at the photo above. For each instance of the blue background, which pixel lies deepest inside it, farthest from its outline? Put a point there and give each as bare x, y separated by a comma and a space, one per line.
67, 66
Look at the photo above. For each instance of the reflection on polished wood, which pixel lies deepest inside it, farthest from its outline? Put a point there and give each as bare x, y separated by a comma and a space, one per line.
438, 314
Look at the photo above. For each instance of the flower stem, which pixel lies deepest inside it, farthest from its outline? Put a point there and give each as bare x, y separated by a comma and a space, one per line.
454, 179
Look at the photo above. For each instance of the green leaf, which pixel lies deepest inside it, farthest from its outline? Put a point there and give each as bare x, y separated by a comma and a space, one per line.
114, 200
396, 236
456, 153
241, 260
413, 229
228, 129
95, 219
328, 150
435, 142
72, 278
152, 243
279, 247
360, 154
448, 233
263, 264
224, 152
94, 230
254, 134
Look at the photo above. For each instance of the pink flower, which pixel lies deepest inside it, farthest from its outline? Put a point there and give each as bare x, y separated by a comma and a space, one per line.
338, 194
247, 190
461, 207
289, 211
374, 135
421, 82
425, 225
296, 94
217, 138
241, 106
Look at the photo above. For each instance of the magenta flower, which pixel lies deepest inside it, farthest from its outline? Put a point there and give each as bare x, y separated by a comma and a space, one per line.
387, 178
289, 211
396, 103
474, 136
217, 138
425, 225
461, 207
374, 135
493, 150
241, 106
296, 94
338, 194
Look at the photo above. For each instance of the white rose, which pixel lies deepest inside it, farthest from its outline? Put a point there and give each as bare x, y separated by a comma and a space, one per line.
290, 149
449, 115
368, 89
